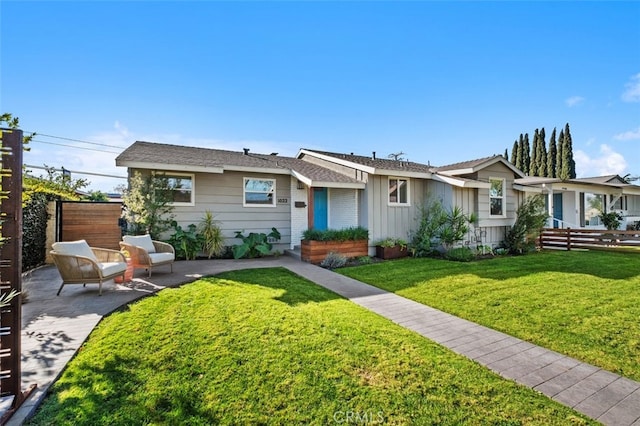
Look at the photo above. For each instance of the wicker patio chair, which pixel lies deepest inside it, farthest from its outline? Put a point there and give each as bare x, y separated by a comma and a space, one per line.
147, 253
78, 263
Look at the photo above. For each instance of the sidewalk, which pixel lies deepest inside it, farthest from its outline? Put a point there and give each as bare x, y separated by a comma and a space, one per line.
54, 327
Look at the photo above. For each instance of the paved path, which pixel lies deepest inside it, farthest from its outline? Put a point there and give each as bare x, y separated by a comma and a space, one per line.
55, 327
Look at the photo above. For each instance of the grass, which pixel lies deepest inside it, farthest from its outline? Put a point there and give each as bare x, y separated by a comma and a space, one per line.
582, 304
268, 347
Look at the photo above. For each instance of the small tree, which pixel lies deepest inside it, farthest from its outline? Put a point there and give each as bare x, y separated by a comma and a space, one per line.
531, 217
147, 205
610, 220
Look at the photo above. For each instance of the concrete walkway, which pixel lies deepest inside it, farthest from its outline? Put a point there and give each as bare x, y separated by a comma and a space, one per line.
54, 327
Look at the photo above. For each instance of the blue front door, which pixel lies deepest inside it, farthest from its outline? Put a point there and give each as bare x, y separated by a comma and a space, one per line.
557, 210
320, 221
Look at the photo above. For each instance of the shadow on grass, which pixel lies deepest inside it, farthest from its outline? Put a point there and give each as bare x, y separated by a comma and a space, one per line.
297, 290
409, 272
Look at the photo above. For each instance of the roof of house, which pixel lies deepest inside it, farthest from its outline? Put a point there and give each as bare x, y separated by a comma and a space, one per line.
609, 181
151, 155
372, 163
472, 166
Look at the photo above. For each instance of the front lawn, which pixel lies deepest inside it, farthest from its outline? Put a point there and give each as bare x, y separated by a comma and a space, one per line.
583, 304
268, 347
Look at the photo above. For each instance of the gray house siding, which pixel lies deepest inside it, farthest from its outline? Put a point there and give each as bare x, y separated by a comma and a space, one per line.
384, 220
222, 194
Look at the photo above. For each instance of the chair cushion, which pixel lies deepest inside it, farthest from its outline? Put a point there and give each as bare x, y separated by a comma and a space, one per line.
109, 268
160, 258
143, 241
74, 248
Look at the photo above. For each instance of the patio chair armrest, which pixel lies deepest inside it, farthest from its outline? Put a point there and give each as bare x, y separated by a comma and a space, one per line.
76, 267
107, 255
163, 247
138, 255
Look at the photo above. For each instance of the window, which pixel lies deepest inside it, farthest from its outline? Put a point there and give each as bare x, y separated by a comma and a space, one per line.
496, 197
259, 192
398, 191
179, 188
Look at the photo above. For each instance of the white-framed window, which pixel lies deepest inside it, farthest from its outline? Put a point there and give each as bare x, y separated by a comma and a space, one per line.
259, 192
180, 188
398, 191
497, 199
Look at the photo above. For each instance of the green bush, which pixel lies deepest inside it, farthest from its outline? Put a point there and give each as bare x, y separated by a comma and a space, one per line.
34, 231
460, 254
212, 238
345, 234
187, 244
392, 242
255, 244
530, 219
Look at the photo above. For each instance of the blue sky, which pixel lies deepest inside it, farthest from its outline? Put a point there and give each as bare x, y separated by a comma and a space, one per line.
440, 81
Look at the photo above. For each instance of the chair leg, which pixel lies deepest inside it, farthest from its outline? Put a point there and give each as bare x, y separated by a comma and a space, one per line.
100, 288
149, 271
60, 289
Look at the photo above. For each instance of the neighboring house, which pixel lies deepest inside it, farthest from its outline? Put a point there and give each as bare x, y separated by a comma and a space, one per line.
577, 203
390, 204
317, 189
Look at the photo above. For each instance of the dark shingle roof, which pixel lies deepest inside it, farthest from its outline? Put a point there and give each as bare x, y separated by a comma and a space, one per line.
377, 163
178, 155
465, 164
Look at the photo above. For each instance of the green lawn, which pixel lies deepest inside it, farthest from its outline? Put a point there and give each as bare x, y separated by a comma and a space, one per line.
582, 304
268, 347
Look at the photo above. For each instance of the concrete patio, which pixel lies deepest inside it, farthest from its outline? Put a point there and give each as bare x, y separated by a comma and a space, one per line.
54, 327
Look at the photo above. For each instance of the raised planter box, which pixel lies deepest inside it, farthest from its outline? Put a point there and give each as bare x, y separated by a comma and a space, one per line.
394, 252
316, 251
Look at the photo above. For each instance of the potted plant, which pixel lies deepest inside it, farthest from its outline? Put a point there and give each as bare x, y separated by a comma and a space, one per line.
349, 242
391, 248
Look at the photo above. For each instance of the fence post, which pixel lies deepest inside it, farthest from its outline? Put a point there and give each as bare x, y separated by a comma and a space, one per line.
568, 238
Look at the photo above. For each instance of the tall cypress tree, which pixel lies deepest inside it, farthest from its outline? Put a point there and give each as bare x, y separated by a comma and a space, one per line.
519, 155
559, 155
506, 154
533, 163
526, 154
568, 154
551, 155
542, 154
514, 152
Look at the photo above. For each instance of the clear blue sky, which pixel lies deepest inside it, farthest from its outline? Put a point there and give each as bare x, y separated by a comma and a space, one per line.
440, 81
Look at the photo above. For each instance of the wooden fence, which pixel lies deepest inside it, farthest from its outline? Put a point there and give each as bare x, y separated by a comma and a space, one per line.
589, 239
97, 223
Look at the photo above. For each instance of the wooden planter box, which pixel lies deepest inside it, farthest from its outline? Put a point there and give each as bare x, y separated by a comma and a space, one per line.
394, 252
316, 251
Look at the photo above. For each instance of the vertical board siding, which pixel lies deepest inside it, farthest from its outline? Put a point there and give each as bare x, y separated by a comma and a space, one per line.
392, 221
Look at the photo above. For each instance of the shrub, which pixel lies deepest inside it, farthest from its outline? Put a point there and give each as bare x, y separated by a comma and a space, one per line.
531, 217
364, 260
392, 242
187, 244
333, 260
611, 220
212, 238
345, 234
254, 244
460, 254
439, 226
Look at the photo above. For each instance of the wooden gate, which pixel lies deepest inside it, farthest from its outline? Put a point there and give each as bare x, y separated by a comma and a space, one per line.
97, 223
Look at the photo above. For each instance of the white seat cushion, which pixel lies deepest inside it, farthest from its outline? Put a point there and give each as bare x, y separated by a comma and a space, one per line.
109, 268
160, 257
74, 248
143, 241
